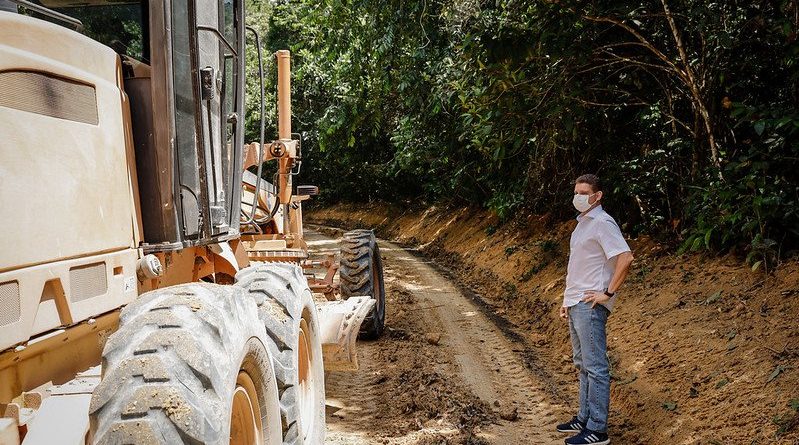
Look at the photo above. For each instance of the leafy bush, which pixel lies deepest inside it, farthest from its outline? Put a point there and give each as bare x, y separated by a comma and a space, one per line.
757, 201
686, 109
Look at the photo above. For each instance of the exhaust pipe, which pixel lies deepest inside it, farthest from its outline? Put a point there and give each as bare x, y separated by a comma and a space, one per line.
284, 131
283, 94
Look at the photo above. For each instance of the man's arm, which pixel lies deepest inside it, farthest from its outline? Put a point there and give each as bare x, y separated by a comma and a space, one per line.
623, 261
622, 267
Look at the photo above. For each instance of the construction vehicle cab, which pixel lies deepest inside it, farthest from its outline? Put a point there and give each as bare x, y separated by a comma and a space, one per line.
186, 102
124, 184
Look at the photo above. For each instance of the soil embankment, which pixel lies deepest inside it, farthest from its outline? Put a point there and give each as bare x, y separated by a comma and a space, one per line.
704, 351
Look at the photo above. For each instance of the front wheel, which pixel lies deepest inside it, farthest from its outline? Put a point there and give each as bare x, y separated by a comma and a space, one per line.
361, 273
288, 312
189, 364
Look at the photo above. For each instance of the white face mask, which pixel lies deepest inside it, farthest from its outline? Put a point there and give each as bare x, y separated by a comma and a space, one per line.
581, 202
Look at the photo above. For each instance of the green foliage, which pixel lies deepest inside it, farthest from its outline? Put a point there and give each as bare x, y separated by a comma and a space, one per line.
258, 14
505, 204
116, 25
549, 252
641, 273
776, 373
503, 103
533, 270
788, 421
549, 246
713, 298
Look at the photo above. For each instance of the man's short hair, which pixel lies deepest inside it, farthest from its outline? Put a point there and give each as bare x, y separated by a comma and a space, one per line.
592, 180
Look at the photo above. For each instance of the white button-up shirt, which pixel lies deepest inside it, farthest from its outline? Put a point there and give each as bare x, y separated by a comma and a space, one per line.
594, 245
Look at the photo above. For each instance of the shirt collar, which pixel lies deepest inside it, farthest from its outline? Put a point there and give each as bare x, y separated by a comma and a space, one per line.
591, 214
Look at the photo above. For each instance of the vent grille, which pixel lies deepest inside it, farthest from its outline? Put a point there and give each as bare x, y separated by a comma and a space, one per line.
49, 95
87, 281
9, 303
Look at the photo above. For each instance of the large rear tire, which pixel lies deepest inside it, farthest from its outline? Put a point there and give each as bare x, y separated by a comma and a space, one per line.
361, 273
287, 311
189, 364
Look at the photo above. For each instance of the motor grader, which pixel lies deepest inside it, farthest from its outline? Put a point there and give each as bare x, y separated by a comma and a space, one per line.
155, 285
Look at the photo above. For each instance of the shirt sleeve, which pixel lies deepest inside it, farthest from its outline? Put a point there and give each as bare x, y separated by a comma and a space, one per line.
610, 238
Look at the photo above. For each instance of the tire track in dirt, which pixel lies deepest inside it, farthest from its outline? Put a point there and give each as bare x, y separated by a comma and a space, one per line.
473, 368
486, 359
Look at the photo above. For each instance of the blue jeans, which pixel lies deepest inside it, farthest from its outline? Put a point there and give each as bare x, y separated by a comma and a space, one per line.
589, 351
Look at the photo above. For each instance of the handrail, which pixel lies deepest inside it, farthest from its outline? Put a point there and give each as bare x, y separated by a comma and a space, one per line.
50, 13
219, 36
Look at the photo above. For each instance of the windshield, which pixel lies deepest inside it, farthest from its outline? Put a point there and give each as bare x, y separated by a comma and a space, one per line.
121, 26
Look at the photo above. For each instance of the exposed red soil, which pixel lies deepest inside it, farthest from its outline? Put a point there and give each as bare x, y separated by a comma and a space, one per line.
704, 351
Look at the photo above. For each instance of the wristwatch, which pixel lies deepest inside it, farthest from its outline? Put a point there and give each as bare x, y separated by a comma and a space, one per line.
609, 294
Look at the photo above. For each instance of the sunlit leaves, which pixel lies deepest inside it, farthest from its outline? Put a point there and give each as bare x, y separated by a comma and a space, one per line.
503, 103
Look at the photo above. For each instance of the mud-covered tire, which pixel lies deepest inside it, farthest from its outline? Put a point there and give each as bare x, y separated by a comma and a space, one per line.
286, 308
361, 273
172, 370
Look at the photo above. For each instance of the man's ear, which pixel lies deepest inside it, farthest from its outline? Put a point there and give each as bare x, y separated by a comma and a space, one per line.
598, 196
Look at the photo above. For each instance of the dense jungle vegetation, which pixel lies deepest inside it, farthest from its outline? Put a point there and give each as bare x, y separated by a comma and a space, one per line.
687, 109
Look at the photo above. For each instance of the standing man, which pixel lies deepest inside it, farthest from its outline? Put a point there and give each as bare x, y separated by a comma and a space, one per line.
599, 259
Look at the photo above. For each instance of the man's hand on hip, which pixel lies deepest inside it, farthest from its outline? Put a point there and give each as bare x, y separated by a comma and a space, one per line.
595, 297
564, 313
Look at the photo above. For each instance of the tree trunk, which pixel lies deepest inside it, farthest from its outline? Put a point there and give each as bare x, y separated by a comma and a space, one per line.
698, 100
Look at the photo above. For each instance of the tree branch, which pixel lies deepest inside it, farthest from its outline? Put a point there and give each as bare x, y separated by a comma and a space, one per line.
644, 42
695, 91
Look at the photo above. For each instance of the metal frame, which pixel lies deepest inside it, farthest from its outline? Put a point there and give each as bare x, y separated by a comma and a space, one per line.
55, 362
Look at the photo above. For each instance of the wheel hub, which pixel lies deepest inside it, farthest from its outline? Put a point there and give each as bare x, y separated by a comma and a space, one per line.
245, 420
306, 383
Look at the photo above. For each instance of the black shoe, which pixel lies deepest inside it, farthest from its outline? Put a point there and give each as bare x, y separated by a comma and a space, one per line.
572, 426
588, 437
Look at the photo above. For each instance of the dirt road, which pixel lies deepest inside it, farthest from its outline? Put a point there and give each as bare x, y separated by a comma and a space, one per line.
443, 372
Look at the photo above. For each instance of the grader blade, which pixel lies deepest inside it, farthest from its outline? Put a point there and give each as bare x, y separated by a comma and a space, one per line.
339, 323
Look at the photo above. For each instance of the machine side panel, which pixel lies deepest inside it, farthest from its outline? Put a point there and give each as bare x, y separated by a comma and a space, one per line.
64, 181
